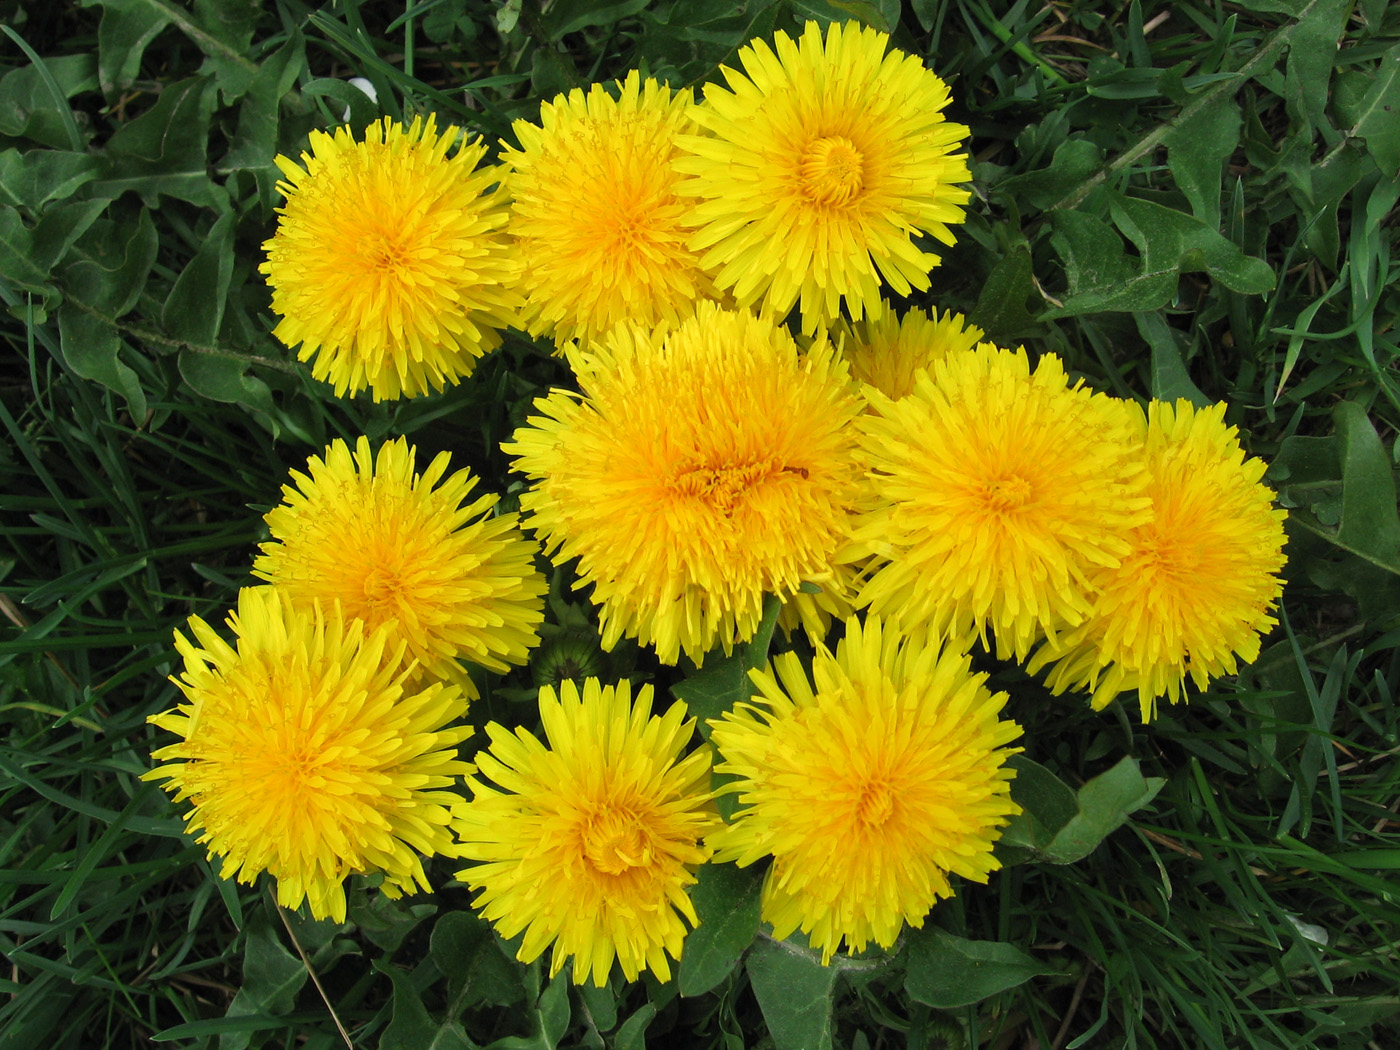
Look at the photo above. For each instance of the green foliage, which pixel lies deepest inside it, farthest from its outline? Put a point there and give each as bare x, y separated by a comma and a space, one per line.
1183, 200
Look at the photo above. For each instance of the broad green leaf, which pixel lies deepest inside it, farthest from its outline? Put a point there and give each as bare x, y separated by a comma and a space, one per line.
27, 106
1312, 51
30, 254
272, 977
554, 1010
947, 972
794, 991
1197, 150
1172, 239
1047, 805
876, 15
1101, 276
110, 265
223, 377
1073, 162
32, 178
127, 27
477, 970
412, 1028
1170, 380
726, 899
254, 142
195, 307
1001, 306
714, 689
1379, 120
569, 16
91, 349
1104, 804
163, 150
1370, 525
633, 1033
601, 1004
223, 29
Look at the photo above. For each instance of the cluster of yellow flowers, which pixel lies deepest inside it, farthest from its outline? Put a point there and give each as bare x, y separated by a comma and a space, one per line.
897, 478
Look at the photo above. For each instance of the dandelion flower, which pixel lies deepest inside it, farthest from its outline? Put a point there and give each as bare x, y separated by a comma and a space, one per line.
889, 351
595, 215
870, 785
589, 844
412, 552
824, 160
702, 467
301, 754
1193, 595
389, 265
1006, 489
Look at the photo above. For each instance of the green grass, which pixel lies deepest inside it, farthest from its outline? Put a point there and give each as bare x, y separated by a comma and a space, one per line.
1188, 199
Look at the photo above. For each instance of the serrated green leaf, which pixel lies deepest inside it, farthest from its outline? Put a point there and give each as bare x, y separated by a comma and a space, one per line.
1104, 804
1171, 239
1379, 119
1001, 306
1197, 150
948, 972
794, 991
127, 27
32, 178
110, 265
554, 1011
1047, 805
477, 970
1073, 162
1100, 274
1370, 525
726, 899
412, 1028
272, 977
91, 348
254, 142
601, 1004
195, 307
223, 29
163, 150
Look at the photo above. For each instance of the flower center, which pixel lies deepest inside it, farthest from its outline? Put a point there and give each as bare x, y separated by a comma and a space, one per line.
615, 842
832, 170
723, 487
383, 588
1006, 494
876, 803
383, 254
1172, 559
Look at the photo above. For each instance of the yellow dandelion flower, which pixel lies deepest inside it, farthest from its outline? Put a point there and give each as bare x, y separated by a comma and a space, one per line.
889, 351
702, 468
412, 552
870, 785
589, 844
823, 161
595, 215
1193, 595
301, 754
1007, 489
389, 265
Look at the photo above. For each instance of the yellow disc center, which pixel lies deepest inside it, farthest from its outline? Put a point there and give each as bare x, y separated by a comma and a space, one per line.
722, 487
876, 803
833, 170
616, 842
1008, 493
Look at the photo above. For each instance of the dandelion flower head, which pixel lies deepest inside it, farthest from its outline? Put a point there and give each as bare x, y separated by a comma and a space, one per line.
589, 844
702, 467
414, 552
301, 755
870, 784
1193, 595
1006, 489
822, 161
595, 217
888, 351
389, 265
